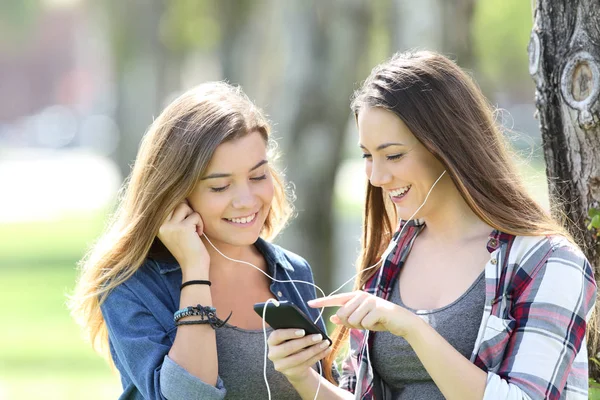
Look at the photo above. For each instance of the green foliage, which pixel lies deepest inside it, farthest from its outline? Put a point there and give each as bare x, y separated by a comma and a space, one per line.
501, 30
594, 224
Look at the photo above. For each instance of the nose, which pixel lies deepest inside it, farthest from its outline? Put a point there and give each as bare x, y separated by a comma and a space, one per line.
378, 174
244, 198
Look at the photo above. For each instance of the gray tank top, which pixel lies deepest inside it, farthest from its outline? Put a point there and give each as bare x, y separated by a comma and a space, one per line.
241, 360
396, 362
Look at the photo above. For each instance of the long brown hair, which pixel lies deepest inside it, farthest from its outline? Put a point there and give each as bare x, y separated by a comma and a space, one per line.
173, 154
448, 114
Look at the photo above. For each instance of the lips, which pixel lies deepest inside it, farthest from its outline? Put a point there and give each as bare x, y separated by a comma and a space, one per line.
243, 220
400, 192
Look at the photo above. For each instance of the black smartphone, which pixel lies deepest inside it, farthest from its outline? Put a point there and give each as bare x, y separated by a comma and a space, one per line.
289, 316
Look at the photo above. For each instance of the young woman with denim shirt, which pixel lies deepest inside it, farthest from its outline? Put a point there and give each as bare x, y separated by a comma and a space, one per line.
203, 173
482, 295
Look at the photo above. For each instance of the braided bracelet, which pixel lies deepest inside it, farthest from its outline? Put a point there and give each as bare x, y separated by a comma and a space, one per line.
193, 310
208, 316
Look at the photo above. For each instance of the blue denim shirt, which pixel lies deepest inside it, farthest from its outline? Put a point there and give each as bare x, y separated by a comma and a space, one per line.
141, 331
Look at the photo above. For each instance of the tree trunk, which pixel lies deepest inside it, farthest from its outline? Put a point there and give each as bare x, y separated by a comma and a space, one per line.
141, 62
564, 61
439, 25
325, 44
302, 68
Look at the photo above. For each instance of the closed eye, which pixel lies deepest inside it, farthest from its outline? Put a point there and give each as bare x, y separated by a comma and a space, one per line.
259, 178
394, 156
219, 189
366, 156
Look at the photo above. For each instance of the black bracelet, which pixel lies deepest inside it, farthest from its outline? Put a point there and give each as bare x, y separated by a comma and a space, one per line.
210, 319
196, 282
195, 322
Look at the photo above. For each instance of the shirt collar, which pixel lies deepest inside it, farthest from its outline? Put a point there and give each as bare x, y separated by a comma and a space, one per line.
274, 256
497, 239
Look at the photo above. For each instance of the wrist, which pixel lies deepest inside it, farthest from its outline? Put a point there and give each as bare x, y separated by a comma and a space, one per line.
303, 380
414, 329
195, 271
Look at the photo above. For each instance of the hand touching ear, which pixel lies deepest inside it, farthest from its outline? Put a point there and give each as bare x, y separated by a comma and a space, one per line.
180, 233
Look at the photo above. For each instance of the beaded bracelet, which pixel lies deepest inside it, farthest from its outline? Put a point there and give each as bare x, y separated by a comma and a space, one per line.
208, 316
194, 310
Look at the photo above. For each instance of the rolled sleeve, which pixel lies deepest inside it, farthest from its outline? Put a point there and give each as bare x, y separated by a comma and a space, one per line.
177, 383
140, 344
550, 316
497, 388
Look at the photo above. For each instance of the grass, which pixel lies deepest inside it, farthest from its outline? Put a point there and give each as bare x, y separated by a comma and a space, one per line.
41, 352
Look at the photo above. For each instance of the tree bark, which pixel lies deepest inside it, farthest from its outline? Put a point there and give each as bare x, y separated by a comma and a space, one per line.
141, 67
564, 61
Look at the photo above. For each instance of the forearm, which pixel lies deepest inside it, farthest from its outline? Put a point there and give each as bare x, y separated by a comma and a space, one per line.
456, 377
195, 346
328, 391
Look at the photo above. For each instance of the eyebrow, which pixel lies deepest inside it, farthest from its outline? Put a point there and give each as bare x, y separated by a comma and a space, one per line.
383, 146
221, 175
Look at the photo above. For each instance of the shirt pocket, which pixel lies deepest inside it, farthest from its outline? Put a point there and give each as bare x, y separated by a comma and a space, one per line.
498, 332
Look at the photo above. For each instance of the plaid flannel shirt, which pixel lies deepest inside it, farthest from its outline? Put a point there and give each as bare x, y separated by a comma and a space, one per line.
539, 295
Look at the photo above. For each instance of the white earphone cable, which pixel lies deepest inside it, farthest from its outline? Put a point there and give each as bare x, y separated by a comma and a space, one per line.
383, 257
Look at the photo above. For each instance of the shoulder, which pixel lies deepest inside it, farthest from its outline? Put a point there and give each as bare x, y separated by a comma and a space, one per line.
530, 251
553, 262
147, 281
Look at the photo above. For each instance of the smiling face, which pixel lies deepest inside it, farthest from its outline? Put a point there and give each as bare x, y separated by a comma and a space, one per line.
398, 163
234, 196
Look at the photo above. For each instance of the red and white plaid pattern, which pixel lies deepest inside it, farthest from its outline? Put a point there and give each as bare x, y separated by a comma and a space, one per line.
540, 292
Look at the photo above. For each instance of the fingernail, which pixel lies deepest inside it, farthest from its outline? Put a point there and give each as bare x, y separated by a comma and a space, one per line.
299, 332
324, 344
317, 337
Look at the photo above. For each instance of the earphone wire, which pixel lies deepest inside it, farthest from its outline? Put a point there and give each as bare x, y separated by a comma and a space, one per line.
385, 254
271, 300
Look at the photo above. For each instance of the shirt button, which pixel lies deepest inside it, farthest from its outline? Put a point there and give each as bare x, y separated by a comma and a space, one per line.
279, 294
493, 261
493, 243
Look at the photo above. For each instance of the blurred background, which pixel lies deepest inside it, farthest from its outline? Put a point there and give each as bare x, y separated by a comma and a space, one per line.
81, 80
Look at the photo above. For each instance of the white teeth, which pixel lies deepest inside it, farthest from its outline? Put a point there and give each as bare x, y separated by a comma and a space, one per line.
399, 192
244, 220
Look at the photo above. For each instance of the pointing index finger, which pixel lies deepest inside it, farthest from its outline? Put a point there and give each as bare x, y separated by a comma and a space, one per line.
331, 301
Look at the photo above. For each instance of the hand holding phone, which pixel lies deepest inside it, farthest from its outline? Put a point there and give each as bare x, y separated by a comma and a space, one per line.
294, 353
288, 316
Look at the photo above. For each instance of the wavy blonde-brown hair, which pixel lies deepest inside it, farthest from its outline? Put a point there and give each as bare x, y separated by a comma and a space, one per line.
448, 114
173, 154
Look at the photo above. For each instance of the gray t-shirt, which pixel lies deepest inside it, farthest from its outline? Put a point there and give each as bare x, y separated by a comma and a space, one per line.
241, 355
396, 362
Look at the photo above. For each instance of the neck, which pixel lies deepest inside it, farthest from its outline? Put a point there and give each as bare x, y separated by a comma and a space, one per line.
455, 221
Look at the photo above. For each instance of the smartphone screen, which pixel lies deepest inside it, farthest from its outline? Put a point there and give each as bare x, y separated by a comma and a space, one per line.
288, 316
